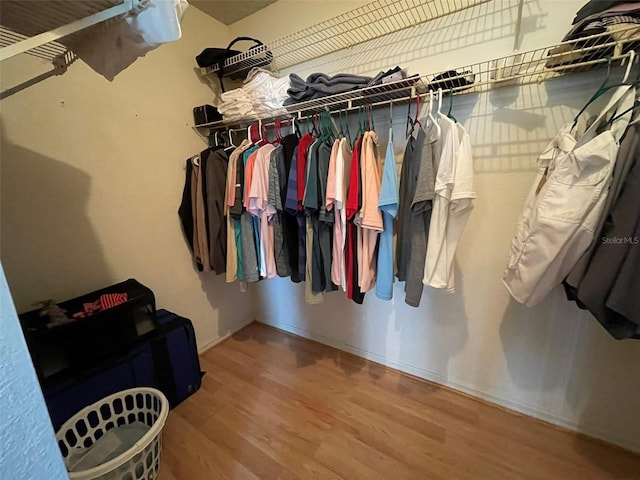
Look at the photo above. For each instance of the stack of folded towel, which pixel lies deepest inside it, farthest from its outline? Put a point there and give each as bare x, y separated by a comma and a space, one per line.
262, 95
235, 104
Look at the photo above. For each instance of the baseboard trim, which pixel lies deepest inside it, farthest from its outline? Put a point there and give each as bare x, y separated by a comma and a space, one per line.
514, 407
219, 340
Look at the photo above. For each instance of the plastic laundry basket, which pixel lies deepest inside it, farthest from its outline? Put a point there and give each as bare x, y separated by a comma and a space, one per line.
142, 460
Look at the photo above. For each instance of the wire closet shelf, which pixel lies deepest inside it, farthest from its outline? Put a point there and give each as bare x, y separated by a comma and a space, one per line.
362, 24
35, 27
533, 66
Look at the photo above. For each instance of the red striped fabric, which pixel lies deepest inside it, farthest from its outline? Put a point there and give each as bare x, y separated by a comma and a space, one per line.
109, 300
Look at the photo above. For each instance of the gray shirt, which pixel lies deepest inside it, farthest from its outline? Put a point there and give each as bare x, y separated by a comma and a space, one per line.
420, 217
281, 252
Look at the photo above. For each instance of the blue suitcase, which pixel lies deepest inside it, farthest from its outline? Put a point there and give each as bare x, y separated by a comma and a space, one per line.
167, 360
176, 357
135, 369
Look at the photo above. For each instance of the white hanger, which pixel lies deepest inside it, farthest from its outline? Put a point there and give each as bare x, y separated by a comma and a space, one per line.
215, 138
432, 119
439, 101
231, 144
631, 58
430, 108
249, 133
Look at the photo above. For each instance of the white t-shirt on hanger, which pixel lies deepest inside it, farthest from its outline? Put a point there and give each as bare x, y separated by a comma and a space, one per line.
452, 205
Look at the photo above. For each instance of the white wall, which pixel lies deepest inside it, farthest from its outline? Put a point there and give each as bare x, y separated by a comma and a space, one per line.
28, 449
553, 361
92, 176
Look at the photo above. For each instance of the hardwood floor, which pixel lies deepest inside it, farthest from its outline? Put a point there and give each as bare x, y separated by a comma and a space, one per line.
277, 406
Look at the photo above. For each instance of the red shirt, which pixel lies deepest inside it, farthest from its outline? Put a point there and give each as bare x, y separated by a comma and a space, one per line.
352, 208
303, 145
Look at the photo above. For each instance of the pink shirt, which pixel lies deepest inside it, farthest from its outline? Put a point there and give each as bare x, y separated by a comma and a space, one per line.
259, 207
331, 179
248, 177
337, 168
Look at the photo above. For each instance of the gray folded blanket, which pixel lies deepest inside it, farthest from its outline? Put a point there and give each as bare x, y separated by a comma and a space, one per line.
320, 85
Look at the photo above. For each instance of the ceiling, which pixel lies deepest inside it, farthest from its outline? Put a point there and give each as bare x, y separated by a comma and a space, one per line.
229, 12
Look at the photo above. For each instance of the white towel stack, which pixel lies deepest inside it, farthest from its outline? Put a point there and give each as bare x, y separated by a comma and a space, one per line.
262, 95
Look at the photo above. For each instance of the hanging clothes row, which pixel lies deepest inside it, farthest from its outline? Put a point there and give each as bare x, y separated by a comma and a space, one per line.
320, 208
201, 211
581, 223
436, 200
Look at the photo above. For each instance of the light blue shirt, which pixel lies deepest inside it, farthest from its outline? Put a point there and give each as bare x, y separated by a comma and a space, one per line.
388, 204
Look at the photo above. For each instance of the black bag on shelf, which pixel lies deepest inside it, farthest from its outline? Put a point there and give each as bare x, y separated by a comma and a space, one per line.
82, 342
205, 114
211, 57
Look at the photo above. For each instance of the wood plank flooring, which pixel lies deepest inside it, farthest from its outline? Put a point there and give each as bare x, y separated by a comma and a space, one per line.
278, 406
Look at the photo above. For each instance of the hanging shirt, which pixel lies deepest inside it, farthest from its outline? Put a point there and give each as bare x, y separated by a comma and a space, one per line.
258, 201
200, 240
353, 238
336, 200
452, 205
303, 146
408, 180
370, 215
628, 152
314, 278
215, 179
281, 252
610, 286
185, 212
388, 204
249, 246
233, 231
560, 215
297, 261
326, 217
311, 203
420, 216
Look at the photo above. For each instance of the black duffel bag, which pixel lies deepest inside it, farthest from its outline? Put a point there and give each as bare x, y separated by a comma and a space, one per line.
211, 57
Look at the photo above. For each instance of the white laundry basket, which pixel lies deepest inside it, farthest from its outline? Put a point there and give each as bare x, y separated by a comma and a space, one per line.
142, 460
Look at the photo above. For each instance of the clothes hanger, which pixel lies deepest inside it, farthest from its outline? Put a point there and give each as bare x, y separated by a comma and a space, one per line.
416, 120
346, 123
439, 102
362, 121
631, 57
408, 127
391, 114
262, 132
432, 119
616, 117
231, 144
278, 130
449, 114
332, 131
597, 93
373, 127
